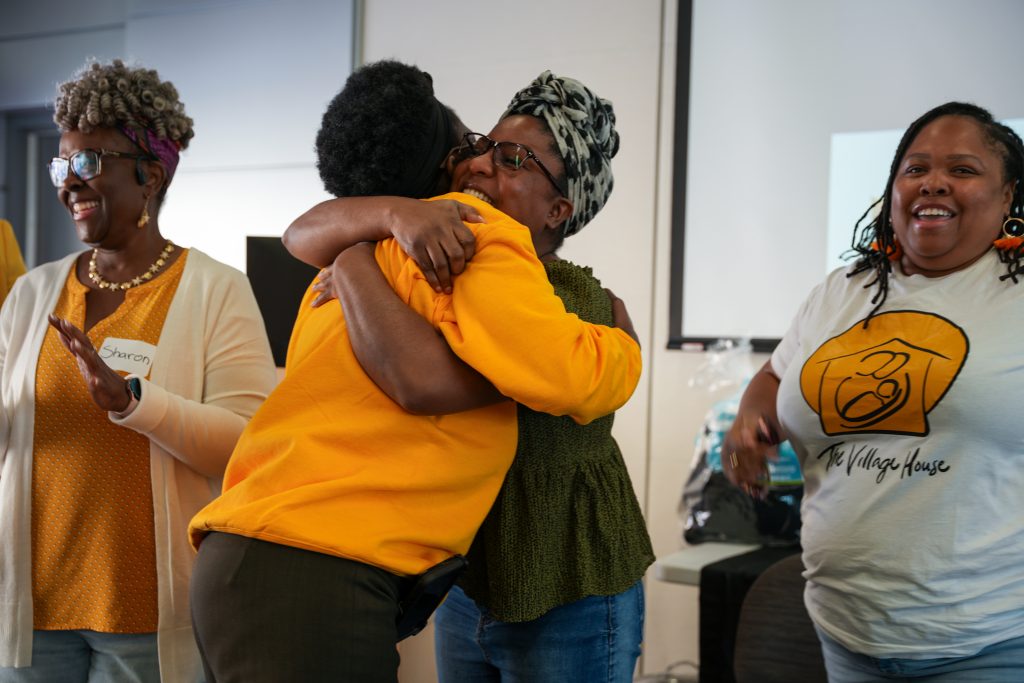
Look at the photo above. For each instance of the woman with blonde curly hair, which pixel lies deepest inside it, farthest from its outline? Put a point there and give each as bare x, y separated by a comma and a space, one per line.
128, 372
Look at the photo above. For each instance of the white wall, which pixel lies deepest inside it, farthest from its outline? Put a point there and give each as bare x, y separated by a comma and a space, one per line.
255, 75
259, 76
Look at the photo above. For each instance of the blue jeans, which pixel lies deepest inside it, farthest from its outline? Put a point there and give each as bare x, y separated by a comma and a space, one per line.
88, 657
593, 640
999, 663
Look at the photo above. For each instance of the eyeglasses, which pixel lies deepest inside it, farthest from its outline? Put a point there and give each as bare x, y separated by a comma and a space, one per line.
86, 164
508, 155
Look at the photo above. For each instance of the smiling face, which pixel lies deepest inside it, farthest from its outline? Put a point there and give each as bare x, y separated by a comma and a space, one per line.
106, 208
525, 194
949, 197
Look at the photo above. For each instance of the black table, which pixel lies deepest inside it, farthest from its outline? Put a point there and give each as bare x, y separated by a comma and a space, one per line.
723, 585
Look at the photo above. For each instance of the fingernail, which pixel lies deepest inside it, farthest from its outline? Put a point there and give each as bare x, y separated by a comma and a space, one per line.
765, 433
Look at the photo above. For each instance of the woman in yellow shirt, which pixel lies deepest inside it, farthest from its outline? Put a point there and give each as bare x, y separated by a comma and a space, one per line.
541, 590
336, 497
128, 372
11, 264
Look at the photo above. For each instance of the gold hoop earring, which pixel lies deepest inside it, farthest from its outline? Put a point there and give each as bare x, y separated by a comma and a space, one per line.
144, 218
1013, 227
1013, 234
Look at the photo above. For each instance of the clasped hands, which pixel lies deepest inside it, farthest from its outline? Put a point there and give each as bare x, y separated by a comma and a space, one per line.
433, 234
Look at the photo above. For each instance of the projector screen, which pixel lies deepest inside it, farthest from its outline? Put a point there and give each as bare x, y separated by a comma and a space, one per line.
787, 117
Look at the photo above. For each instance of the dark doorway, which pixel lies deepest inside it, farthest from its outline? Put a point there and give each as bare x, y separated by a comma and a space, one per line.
43, 227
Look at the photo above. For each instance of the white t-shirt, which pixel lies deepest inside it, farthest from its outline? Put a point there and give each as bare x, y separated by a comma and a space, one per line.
911, 439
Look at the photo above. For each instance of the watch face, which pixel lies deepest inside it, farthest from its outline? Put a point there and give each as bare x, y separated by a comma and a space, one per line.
135, 386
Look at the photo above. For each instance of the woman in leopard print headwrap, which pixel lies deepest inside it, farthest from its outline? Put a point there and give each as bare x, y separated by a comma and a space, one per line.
552, 592
553, 588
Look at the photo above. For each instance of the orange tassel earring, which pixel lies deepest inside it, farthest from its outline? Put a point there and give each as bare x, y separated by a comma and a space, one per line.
1013, 235
893, 252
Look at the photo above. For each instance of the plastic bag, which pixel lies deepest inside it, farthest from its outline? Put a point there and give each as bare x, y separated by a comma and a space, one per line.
714, 510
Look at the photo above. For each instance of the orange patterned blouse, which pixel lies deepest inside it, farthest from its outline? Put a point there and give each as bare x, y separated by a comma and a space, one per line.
93, 547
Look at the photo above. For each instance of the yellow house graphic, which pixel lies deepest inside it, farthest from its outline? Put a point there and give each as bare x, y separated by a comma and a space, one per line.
885, 378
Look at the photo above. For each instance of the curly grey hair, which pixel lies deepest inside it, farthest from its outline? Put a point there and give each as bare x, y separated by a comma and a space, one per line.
114, 95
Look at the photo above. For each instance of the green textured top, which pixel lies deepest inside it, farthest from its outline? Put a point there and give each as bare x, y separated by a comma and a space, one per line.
566, 524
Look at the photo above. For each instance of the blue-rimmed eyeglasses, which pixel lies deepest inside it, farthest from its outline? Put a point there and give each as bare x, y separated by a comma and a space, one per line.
507, 155
86, 164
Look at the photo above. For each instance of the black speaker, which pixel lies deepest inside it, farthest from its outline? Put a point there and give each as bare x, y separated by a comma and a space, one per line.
140, 173
279, 280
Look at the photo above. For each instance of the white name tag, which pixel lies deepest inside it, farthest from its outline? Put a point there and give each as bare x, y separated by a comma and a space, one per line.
127, 355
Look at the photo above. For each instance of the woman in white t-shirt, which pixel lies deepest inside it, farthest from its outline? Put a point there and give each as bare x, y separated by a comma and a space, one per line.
897, 383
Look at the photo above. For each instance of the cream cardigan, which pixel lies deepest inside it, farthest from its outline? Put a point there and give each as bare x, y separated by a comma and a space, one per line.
211, 371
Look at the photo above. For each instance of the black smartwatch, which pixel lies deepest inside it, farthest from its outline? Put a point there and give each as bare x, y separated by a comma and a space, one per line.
135, 387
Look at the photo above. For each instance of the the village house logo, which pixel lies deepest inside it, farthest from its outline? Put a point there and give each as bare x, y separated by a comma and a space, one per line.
886, 378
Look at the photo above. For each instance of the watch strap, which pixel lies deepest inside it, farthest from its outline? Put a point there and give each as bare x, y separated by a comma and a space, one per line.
135, 387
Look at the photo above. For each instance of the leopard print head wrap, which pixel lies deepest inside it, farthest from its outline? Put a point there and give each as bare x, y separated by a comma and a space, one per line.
583, 126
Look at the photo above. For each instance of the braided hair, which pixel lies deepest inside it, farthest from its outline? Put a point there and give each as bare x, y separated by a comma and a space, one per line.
874, 240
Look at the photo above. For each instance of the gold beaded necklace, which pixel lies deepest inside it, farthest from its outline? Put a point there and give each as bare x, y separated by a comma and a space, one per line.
94, 273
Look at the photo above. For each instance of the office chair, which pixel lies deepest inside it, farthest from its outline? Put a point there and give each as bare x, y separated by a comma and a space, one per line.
775, 641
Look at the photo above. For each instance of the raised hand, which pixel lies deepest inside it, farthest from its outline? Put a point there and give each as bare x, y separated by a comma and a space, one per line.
108, 389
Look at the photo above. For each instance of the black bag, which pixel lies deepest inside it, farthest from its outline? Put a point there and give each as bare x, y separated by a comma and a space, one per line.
426, 593
715, 510
718, 511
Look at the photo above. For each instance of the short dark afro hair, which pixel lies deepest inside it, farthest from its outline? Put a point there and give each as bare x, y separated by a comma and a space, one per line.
372, 128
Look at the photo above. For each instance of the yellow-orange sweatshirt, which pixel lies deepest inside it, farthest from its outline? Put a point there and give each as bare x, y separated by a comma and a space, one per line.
331, 464
11, 264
